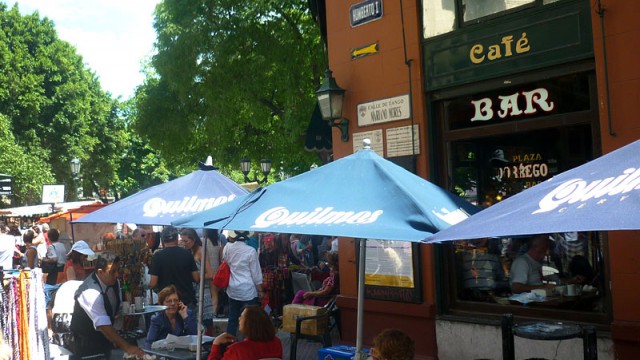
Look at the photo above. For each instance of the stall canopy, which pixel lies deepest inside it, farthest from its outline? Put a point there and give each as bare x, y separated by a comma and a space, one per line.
160, 204
73, 214
600, 195
43, 209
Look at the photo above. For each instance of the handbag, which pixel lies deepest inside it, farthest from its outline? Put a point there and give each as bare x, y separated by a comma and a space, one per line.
221, 278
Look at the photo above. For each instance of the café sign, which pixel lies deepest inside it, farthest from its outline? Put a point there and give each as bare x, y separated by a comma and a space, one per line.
365, 12
385, 110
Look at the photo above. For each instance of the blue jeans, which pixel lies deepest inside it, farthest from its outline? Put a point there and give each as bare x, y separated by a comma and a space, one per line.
235, 309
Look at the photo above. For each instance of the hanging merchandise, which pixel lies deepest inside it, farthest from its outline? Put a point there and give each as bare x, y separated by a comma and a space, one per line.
23, 314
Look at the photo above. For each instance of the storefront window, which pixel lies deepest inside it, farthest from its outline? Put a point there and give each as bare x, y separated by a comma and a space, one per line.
495, 144
488, 170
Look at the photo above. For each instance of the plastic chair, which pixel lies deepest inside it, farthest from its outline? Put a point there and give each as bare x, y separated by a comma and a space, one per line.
300, 281
332, 316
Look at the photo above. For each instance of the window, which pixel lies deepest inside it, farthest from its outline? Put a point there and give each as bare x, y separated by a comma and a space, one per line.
439, 16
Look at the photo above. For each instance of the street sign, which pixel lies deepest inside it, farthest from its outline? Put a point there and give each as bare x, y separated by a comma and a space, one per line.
364, 12
6, 185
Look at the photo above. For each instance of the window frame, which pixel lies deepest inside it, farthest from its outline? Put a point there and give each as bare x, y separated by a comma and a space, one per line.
449, 306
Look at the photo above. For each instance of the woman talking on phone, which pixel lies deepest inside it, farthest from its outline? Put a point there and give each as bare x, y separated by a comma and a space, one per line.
176, 319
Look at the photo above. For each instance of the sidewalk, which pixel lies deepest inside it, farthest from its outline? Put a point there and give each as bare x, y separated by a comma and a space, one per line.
307, 350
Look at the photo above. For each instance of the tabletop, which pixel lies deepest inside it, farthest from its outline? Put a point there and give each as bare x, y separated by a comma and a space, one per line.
547, 330
149, 309
176, 354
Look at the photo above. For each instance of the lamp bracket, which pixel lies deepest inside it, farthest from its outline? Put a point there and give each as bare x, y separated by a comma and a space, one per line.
343, 125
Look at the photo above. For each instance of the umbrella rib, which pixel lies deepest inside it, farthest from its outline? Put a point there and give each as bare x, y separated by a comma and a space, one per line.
251, 199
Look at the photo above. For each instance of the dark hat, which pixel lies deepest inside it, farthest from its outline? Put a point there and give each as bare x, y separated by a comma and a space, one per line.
497, 157
169, 234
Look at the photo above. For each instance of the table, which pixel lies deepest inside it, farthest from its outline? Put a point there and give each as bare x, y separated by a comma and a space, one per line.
149, 309
177, 354
546, 331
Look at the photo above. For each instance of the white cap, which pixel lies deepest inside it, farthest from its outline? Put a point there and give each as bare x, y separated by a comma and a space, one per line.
81, 247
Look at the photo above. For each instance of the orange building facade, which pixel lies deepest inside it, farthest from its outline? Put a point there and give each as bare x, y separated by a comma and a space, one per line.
542, 85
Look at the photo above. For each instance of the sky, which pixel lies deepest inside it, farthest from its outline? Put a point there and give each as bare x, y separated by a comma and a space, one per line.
114, 37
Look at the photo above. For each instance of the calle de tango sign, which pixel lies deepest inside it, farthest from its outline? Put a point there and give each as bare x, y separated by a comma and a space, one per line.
385, 110
579, 191
189, 204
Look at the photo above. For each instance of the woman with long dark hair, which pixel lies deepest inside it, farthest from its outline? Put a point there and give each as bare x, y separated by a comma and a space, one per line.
190, 240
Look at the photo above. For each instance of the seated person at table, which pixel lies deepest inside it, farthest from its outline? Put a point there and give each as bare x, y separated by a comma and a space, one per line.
526, 270
176, 319
482, 271
329, 287
260, 340
392, 344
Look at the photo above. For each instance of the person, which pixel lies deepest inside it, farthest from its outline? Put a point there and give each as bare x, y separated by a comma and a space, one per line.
214, 254
74, 267
56, 256
7, 248
174, 265
95, 306
260, 340
190, 240
245, 283
40, 241
392, 344
526, 270
304, 250
30, 255
330, 286
482, 271
176, 319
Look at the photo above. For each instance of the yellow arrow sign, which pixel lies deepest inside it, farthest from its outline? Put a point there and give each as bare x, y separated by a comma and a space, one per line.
364, 51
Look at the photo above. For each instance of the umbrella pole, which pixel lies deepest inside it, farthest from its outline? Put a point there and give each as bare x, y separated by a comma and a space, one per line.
203, 258
360, 310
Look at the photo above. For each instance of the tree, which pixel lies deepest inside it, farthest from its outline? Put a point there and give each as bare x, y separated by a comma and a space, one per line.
55, 106
231, 79
28, 170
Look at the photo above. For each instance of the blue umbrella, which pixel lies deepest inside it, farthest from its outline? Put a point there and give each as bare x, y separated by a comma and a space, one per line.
160, 204
600, 195
361, 196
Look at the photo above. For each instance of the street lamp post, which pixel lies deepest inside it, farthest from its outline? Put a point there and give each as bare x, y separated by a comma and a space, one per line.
265, 167
75, 169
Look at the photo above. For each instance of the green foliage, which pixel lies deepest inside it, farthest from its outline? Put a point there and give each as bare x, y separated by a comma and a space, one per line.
28, 170
54, 110
231, 79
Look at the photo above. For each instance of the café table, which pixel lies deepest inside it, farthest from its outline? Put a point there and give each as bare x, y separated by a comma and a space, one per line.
542, 330
175, 354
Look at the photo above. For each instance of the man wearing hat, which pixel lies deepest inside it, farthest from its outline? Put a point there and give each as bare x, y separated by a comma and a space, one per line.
174, 265
96, 304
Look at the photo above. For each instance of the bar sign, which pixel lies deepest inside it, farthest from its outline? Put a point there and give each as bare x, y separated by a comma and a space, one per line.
365, 12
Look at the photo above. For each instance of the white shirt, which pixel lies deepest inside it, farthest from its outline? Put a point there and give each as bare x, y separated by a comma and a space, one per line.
334, 244
245, 271
92, 302
7, 247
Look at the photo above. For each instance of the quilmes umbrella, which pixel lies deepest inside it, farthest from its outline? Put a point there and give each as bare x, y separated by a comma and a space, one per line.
160, 204
601, 195
361, 195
